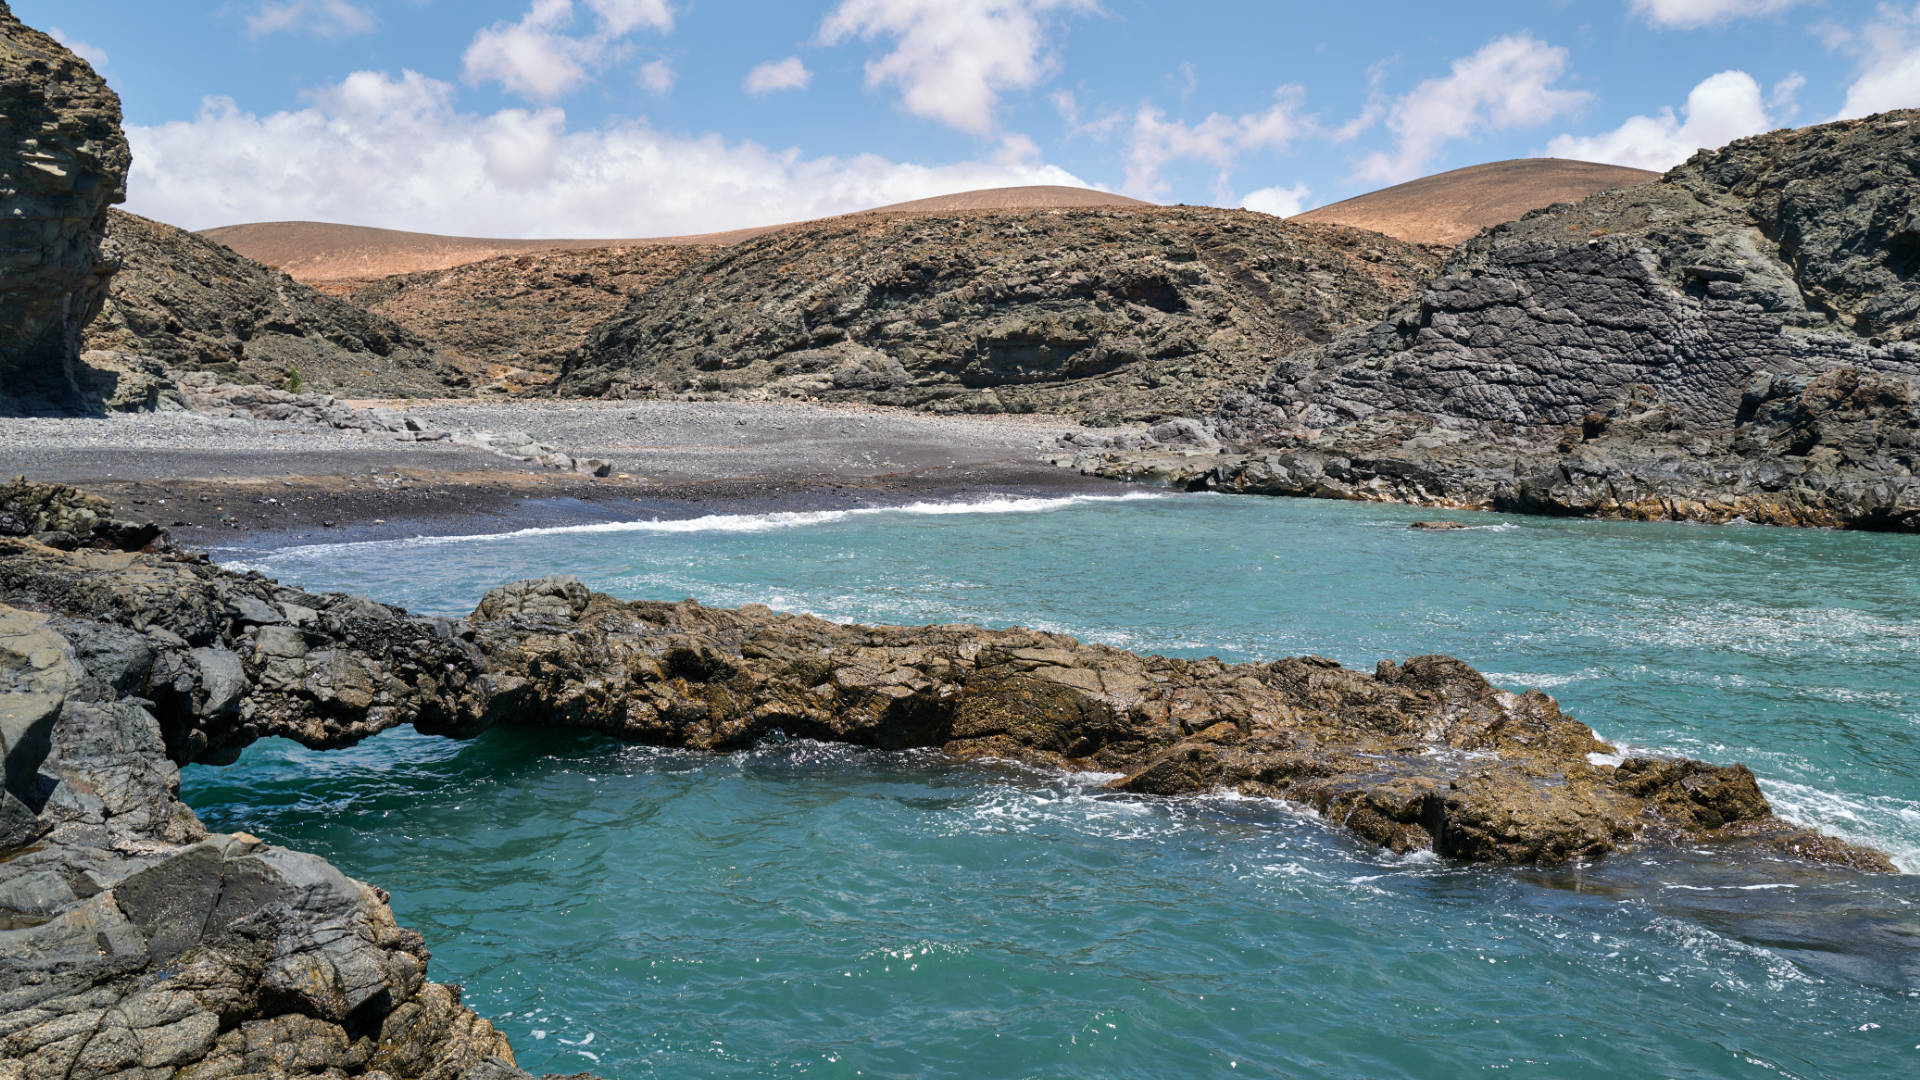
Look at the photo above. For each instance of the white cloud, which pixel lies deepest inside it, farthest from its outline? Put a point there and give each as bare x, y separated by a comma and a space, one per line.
657, 76
90, 53
788, 74
539, 60
953, 58
1218, 140
621, 17
1889, 64
1508, 83
1720, 109
1278, 201
327, 18
1690, 14
395, 152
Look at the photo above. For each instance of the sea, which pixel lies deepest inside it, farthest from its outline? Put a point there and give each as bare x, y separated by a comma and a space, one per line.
808, 910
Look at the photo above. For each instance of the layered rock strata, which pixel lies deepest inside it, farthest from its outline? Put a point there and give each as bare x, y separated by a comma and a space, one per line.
1738, 340
1104, 314
63, 161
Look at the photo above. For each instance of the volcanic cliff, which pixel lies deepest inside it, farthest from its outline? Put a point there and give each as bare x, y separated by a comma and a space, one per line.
1738, 340
63, 161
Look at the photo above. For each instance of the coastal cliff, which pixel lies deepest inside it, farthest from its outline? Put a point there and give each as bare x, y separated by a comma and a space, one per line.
1738, 340
63, 162
132, 942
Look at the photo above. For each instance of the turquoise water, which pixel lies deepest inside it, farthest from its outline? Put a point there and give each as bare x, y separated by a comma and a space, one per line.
822, 911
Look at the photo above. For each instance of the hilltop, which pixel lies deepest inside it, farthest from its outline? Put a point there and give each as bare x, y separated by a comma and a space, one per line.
342, 257
1450, 207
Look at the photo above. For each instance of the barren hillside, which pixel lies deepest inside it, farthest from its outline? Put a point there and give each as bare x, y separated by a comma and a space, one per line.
1450, 207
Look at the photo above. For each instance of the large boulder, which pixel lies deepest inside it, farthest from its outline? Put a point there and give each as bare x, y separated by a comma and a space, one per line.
63, 161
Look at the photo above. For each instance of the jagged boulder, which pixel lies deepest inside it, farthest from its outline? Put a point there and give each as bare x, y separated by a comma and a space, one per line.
63, 161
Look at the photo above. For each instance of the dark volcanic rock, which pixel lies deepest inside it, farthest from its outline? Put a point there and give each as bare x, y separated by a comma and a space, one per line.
195, 305
1104, 314
63, 161
1738, 340
1788, 253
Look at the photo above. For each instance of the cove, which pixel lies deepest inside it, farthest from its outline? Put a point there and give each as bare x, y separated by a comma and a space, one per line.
672, 914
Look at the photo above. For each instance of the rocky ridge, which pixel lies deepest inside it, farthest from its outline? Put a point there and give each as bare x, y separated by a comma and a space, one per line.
196, 306
1103, 314
1739, 340
63, 161
133, 942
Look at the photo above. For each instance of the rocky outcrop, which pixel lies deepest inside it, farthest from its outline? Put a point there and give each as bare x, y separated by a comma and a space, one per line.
1104, 314
133, 942
1836, 450
518, 317
196, 306
63, 161
1740, 340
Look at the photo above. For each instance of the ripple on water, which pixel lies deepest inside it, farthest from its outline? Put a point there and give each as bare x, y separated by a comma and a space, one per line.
834, 911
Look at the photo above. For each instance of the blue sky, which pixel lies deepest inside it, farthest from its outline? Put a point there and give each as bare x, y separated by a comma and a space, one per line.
658, 117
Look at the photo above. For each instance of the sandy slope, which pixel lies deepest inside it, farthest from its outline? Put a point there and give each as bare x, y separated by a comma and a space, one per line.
1451, 206
317, 253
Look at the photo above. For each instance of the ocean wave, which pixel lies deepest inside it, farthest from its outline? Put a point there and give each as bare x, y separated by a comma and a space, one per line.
772, 521
1885, 822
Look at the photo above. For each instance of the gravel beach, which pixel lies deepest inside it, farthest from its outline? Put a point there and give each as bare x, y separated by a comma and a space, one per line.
227, 481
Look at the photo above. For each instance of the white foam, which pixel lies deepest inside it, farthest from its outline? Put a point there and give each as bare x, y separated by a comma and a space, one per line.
1878, 821
755, 523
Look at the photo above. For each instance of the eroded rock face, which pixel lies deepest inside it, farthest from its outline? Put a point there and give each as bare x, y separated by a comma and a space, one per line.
1103, 314
63, 161
196, 306
135, 943
1789, 253
1740, 340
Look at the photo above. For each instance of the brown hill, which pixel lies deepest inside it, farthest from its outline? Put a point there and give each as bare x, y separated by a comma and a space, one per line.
1450, 207
1105, 313
340, 257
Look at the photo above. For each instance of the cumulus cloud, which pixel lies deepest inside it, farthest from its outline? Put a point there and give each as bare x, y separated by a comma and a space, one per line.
1509, 83
90, 53
772, 76
327, 18
1219, 140
1278, 201
622, 17
1720, 109
657, 76
952, 59
389, 151
1889, 64
540, 60
1690, 14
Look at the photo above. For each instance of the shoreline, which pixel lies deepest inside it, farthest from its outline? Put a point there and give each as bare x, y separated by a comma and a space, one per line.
249, 484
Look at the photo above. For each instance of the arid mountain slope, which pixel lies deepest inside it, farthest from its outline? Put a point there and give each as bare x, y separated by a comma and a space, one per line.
1108, 314
1450, 207
197, 306
525, 312
344, 257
